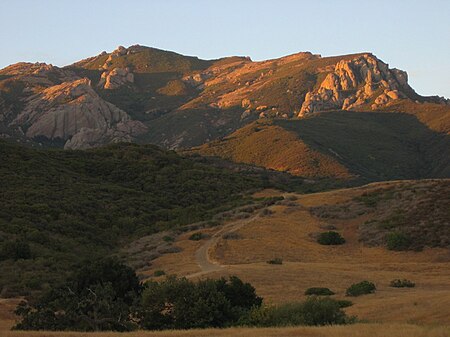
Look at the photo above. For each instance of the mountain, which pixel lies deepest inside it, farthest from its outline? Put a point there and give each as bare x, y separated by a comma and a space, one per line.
322, 108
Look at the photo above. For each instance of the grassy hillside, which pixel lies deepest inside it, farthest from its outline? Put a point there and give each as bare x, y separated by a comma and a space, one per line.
59, 207
288, 232
268, 145
377, 146
372, 146
435, 116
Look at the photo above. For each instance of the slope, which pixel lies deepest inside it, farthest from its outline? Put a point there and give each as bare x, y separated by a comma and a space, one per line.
368, 145
60, 207
178, 101
289, 230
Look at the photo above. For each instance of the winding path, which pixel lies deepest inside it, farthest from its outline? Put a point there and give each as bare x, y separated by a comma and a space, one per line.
202, 257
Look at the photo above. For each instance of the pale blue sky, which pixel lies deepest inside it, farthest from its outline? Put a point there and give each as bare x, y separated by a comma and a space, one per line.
408, 34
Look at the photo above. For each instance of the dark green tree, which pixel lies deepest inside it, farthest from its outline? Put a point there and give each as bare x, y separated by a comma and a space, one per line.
17, 249
101, 295
176, 303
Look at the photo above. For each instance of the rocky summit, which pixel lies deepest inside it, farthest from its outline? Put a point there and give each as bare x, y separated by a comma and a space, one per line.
146, 95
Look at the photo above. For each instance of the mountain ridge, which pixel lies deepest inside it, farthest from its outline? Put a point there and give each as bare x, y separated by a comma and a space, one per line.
146, 95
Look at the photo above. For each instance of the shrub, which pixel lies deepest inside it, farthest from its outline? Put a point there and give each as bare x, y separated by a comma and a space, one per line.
266, 212
177, 303
319, 291
313, 311
398, 241
330, 238
397, 283
344, 303
18, 249
276, 260
197, 236
100, 295
159, 273
168, 238
361, 288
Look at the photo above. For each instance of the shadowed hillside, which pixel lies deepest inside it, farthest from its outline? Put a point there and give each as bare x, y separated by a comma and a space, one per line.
370, 145
60, 207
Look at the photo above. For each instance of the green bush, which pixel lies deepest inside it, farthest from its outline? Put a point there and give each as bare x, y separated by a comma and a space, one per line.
397, 283
177, 303
319, 291
330, 238
100, 295
398, 241
197, 236
313, 311
159, 273
344, 303
276, 260
361, 288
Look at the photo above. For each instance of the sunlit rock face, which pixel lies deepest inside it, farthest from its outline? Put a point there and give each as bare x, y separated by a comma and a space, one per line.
355, 82
75, 113
116, 78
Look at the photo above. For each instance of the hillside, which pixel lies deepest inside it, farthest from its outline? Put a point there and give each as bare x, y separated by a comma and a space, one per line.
148, 95
346, 145
288, 231
60, 207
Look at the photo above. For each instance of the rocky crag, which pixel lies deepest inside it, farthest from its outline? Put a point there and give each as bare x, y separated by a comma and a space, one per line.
149, 95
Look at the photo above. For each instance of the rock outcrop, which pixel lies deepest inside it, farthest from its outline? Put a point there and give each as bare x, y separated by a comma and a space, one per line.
355, 82
116, 78
41, 74
75, 113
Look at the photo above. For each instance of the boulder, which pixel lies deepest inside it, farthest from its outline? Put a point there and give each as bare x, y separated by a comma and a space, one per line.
116, 78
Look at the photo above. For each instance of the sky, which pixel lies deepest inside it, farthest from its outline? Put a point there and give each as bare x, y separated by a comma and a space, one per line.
411, 35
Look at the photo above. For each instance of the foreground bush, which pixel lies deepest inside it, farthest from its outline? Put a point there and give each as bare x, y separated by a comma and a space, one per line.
99, 296
177, 303
361, 288
313, 311
397, 283
330, 238
319, 291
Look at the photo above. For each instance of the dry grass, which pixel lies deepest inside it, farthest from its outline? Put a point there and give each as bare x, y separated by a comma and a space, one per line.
357, 330
7, 318
287, 234
250, 145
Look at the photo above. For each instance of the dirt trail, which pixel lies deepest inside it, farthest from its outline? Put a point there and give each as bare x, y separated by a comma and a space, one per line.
202, 257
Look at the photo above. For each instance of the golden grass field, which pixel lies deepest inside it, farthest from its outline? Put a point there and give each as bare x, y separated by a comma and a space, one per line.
357, 330
288, 233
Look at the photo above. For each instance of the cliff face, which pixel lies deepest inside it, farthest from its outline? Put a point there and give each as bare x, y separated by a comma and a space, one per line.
57, 105
181, 101
354, 83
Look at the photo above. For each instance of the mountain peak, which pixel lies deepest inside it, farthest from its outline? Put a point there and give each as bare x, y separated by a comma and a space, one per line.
353, 83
